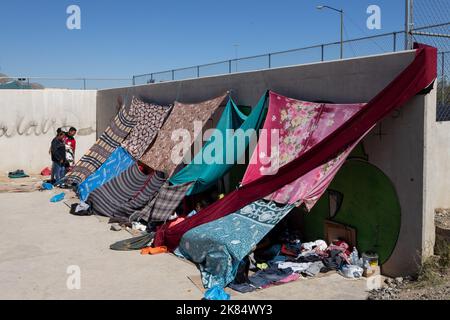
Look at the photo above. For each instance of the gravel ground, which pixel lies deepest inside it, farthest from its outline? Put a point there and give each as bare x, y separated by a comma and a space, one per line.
442, 218
407, 289
433, 284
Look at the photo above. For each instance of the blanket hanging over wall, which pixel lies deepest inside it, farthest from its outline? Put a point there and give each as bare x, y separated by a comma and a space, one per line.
119, 161
299, 125
128, 192
219, 246
221, 147
411, 81
182, 116
149, 119
109, 141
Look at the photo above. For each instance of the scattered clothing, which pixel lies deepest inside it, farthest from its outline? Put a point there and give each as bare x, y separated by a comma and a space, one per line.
290, 278
316, 245
268, 277
80, 209
46, 171
138, 226
314, 268
335, 260
242, 287
295, 266
262, 266
290, 250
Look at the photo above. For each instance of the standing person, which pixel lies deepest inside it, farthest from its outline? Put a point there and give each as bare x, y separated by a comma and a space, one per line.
58, 152
71, 143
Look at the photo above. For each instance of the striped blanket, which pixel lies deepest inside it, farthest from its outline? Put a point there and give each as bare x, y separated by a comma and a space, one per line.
109, 141
118, 162
127, 193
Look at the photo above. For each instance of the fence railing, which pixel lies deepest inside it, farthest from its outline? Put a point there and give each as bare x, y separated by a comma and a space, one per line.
26, 82
382, 43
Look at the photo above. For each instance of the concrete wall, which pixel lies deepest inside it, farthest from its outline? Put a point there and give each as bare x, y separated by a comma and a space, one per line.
396, 146
436, 186
28, 123
404, 147
352, 81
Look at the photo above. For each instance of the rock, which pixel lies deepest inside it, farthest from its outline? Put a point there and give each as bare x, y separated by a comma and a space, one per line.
116, 227
399, 280
389, 281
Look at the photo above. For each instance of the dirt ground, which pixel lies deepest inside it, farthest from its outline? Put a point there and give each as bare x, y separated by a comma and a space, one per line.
433, 280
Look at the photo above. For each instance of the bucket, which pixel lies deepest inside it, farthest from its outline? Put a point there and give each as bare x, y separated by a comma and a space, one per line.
371, 258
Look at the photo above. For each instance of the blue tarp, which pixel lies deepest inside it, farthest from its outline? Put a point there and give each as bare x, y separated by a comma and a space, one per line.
117, 162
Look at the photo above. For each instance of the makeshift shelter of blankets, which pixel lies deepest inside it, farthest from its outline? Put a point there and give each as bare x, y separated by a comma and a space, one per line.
142, 178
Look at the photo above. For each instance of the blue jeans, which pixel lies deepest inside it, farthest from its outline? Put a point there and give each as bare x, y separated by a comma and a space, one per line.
58, 171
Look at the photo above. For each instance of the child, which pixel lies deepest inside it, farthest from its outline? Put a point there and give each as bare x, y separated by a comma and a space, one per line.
70, 142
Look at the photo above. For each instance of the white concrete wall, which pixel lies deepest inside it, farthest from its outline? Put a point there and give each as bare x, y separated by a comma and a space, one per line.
436, 186
28, 123
399, 153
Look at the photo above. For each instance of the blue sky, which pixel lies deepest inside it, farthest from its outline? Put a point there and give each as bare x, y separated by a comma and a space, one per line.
122, 38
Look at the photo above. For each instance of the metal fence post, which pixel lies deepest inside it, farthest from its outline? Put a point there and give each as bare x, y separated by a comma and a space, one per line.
395, 41
322, 47
84, 83
198, 71
173, 75
229, 66
134, 80
270, 60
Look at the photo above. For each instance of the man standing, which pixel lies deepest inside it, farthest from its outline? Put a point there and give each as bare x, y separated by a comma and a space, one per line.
70, 142
58, 152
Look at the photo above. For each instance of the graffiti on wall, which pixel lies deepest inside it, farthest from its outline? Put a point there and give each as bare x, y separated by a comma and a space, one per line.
26, 126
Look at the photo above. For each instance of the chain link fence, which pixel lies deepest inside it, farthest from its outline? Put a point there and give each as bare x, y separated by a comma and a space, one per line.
431, 25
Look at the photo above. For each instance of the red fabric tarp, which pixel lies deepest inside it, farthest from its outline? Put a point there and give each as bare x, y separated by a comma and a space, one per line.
419, 75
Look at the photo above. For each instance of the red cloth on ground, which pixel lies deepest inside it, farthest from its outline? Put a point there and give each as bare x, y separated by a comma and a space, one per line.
417, 76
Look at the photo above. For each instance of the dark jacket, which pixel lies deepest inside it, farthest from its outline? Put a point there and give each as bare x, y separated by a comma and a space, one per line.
58, 151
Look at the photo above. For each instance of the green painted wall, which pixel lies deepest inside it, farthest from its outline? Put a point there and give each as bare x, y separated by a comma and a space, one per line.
370, 204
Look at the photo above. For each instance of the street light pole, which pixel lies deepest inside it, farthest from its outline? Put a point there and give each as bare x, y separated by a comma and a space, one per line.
341, 12
342, 34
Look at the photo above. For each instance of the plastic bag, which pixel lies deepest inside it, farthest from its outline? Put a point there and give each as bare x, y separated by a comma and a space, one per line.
351, 271
47, 186
58, 197
216, 293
